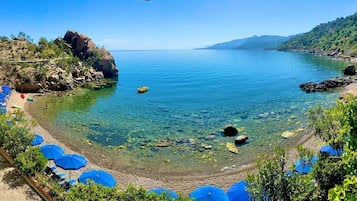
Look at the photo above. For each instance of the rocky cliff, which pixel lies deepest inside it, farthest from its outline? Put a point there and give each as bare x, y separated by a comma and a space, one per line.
84, 48
57, 65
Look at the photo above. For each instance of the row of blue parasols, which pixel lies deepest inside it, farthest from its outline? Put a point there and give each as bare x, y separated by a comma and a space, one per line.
73, 162
4, 95
237, 192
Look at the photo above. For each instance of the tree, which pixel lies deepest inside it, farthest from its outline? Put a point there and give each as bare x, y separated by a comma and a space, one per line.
273, 183
43, 42
346, 191
31, 161
15, 136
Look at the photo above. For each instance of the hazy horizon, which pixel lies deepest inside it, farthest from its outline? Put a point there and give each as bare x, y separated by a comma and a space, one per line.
174, 24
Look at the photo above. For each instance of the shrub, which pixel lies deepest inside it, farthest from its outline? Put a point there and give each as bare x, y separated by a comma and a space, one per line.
31, 161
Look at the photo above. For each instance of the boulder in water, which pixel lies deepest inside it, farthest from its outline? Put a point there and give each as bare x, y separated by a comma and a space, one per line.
230, 131
241, 140
349, 70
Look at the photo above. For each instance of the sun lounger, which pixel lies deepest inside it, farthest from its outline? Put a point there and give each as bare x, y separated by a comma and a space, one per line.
59, 176
50, 171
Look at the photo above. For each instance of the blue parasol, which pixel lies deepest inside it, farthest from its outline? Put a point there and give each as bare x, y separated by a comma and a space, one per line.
331, 151
303, 166
71, 161
208, 193
99, 177
237, 192
52, 151
170, 194
37, 140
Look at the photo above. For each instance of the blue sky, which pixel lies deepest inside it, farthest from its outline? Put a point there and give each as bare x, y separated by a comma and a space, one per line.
167, 24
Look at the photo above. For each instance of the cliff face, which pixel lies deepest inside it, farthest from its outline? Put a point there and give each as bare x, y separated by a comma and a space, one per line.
84, 48
53, 65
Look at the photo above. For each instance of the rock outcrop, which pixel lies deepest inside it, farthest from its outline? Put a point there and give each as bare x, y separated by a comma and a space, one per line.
57, 65
349, 70
230, 130
325, 85
84, 48
54, 79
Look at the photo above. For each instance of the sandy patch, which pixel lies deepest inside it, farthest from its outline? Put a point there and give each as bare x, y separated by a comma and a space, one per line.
350, 89
12, 186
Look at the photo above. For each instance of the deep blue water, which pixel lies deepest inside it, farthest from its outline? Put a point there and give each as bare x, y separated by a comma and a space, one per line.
192, 95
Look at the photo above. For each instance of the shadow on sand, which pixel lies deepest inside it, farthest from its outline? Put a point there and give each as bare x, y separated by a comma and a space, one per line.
12, 178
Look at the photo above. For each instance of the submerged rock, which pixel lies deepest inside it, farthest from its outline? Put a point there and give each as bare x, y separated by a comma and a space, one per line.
263, 115
288, 134
232, 148
163, 143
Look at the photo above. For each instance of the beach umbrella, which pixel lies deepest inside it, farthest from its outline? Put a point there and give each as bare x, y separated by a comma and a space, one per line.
38, 139
99, 177
167, 192
237, 192
71, 161
331, 151
52, 151
303, 166
208, 193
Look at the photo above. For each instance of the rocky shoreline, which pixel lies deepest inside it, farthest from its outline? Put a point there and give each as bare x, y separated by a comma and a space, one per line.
349, 78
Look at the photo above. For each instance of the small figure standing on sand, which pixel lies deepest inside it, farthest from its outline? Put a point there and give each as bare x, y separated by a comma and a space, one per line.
46, 106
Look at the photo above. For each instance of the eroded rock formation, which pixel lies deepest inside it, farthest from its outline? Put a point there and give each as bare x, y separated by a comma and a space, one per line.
84, 48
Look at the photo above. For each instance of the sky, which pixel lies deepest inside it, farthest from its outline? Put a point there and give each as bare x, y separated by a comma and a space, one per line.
167, 24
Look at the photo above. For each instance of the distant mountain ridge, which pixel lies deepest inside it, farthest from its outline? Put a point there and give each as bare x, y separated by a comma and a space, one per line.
254, 42
338, 37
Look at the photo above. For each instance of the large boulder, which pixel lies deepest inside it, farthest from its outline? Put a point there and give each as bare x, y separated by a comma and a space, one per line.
85, 48
230, 130
349, 70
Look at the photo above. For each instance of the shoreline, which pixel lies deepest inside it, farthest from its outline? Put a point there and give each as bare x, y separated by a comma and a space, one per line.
180, 184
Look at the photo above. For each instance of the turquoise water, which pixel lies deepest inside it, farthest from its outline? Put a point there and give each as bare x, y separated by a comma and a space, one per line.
192, 95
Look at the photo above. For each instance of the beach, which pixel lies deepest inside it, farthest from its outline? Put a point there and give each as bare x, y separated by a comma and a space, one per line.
181, 184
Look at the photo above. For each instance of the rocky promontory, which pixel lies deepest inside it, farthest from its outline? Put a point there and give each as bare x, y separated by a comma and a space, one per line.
325, 85
58, 65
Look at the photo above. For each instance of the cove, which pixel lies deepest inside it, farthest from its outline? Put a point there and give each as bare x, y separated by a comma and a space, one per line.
175, 128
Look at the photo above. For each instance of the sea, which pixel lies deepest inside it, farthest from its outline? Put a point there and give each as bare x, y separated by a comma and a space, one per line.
176, 127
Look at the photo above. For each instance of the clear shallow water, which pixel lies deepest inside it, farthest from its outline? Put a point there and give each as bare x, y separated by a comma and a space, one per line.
192, 95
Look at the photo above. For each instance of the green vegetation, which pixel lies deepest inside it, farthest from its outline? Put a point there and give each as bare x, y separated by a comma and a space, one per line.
332, 177
338, 36
273, 182
30, 161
